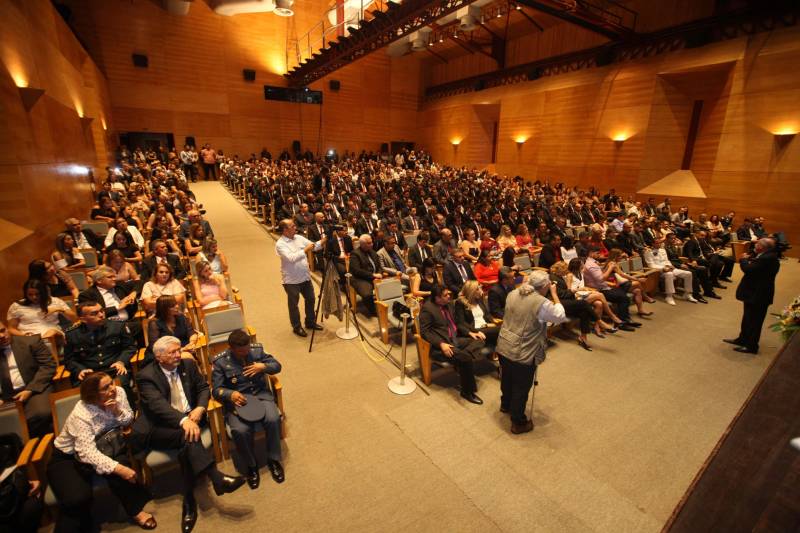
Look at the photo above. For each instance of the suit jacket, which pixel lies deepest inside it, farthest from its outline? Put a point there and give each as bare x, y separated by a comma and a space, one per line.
452, 277
348, 245
415, 256
758, 284
121, 290
407, 223
288, 211
691, 249
149, 266
314, 234
360, 266
432, 325
549, 257
387, 263
34, 362
465, 320
497, 300
153, 385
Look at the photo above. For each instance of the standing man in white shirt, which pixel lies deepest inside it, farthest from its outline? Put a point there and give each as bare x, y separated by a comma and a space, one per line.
522, 343
295, 274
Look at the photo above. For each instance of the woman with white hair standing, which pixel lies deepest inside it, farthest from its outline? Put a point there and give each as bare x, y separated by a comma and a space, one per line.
522, 343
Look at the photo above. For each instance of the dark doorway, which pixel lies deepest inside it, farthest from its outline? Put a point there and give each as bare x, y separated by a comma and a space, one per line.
147, 140
398, 146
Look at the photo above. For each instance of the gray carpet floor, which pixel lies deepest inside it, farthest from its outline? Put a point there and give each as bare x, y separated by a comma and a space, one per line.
620, 431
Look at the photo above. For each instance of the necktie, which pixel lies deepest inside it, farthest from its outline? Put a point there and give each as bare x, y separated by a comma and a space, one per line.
462, 270
451, 325
341, 247
414, 222
175, 399
398, 263
422, 253
5, 376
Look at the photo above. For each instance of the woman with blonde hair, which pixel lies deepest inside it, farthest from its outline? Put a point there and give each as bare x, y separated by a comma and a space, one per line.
472, 315
506, 239
209, 288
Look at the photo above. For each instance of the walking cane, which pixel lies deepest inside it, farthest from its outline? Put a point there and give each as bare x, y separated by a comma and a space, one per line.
533, 392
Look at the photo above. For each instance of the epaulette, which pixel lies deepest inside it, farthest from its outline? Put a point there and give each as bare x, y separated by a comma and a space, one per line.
220, 355
74, 326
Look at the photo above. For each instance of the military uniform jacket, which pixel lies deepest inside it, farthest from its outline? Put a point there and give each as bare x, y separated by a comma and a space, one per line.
228, 376
98, 349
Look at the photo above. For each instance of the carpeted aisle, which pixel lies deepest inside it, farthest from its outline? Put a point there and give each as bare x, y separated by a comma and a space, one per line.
620, 431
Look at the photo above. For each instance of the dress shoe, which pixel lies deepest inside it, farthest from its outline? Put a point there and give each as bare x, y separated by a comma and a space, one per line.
626, 327
472, 398
582, 344
317, 327
300, 332
699, 298
713, 295
670, 300
228, 484
737, 342
745, 349
188, 516
525, 427
634, 324
253, 478
276, 469
690, 298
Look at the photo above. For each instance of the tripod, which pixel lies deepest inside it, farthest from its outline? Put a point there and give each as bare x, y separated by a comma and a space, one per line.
330, 276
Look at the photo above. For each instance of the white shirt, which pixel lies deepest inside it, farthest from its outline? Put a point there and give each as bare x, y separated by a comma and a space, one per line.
477, 315
657, 258
294, 264
110, 299
16, 378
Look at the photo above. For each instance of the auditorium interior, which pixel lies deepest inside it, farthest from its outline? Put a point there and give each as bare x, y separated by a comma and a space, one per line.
590, 120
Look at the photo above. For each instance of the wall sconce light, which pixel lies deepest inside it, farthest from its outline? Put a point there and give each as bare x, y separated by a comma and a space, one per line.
29, 96
784, 136
620, 138
455, 142
520, 140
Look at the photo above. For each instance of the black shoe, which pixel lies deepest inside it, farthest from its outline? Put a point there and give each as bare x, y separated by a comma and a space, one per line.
626, 327
713, 295
583, 345
745, 349
634, 324
699, 298
317, 327
737, 342
253, 478
276, 470
188, 516
550, 343
300, 332
472, 398
525, 427
228, 484
726, 280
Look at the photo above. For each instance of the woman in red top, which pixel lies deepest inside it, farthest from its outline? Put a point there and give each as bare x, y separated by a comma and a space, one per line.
524, 240
486, 269
487, 242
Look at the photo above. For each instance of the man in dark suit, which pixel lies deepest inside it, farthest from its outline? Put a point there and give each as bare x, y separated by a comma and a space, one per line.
693, 251
756, 291
340, 247
173, 398
161, 255
26, 372
498, 292
316, 232
437, 326
118, 299
457, 272
84, 238
365, 266
551, 253
289, 209
411, 222
392, 231
420, 251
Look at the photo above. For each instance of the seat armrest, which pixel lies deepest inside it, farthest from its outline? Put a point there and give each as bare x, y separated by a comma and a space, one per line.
26, 455
42, 452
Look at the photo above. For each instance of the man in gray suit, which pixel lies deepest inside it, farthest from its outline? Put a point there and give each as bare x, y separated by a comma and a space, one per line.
26, 372
392, 260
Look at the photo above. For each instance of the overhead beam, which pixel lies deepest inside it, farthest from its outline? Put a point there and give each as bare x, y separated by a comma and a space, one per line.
588, 14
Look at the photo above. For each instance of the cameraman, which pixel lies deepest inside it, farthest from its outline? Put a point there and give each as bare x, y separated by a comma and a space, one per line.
292, 250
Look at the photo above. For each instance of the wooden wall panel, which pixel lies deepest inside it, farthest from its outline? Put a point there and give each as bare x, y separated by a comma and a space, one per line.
45, 153
569, 121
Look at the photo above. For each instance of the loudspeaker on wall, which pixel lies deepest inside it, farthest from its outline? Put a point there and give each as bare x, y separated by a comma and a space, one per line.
249, 74
140, 60
334, 85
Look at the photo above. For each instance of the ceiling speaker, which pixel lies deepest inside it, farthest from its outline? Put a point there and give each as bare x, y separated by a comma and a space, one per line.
283, 8
140, 60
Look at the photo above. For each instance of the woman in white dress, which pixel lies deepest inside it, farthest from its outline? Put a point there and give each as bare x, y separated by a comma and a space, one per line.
37, 312
163, 283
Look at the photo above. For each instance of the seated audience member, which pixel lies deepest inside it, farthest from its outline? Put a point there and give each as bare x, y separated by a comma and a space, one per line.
506, 280
694, 251
240, 376
163, 231
214, 256
700, 278
174, 399
161, 256
76, 458
84, 238
470, 246
421, 284
574, 307
58, 282
551, 253
472, 315
421, 251
194, 217
438, 327
720, 261
122, 225
21, 505
209, 288
66, 256
365, 266
488, 243
486, 269
718, 235
123, 270
392, 261
523, 238
457, 272
163, 283
568, 250
193, 244
26, 372
104, 210
595, 298
123, 242
595, 276
630, 283
170, 320
506, 239
118, 299
657, 258
444, 248
37, 313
